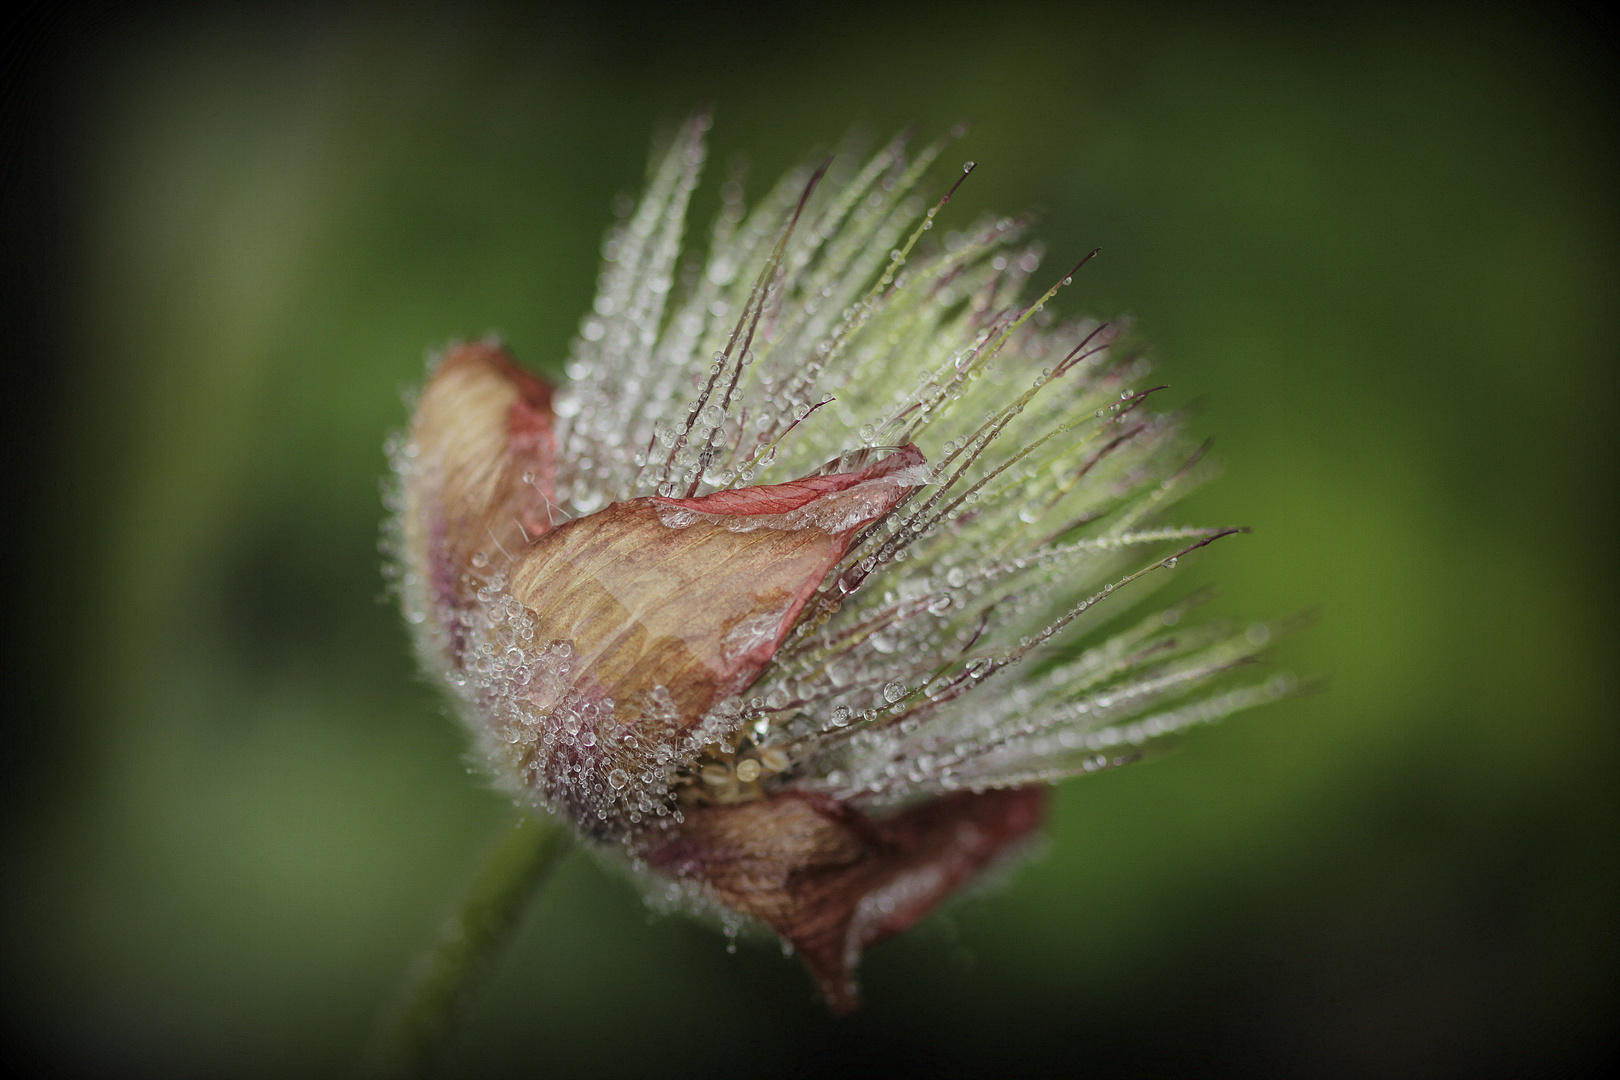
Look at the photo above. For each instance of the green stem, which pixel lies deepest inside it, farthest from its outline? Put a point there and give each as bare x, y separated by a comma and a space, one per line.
440, 986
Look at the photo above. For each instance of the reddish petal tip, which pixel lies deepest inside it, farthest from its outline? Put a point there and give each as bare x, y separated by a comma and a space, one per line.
833, 882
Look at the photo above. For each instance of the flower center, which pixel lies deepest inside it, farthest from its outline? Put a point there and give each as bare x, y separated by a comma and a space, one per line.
725, 777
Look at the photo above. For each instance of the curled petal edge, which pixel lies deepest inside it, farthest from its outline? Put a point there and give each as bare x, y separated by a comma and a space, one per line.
833, 882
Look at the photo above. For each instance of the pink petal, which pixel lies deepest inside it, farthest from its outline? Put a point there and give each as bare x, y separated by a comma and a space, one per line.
482, 470
695, 595
667, 607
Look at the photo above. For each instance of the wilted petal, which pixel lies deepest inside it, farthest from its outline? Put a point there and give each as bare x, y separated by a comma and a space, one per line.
693, 595
834, 882
480, 485
637, 619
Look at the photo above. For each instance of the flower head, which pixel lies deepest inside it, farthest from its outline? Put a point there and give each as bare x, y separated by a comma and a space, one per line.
783, 595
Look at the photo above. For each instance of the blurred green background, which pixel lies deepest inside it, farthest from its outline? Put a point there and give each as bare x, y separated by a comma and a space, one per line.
1380, 242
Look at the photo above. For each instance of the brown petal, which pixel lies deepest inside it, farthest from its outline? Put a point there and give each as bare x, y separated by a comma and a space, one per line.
482, 467
834, 882
694, 595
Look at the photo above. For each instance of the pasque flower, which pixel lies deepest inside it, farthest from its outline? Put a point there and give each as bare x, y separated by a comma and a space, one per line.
785, 596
